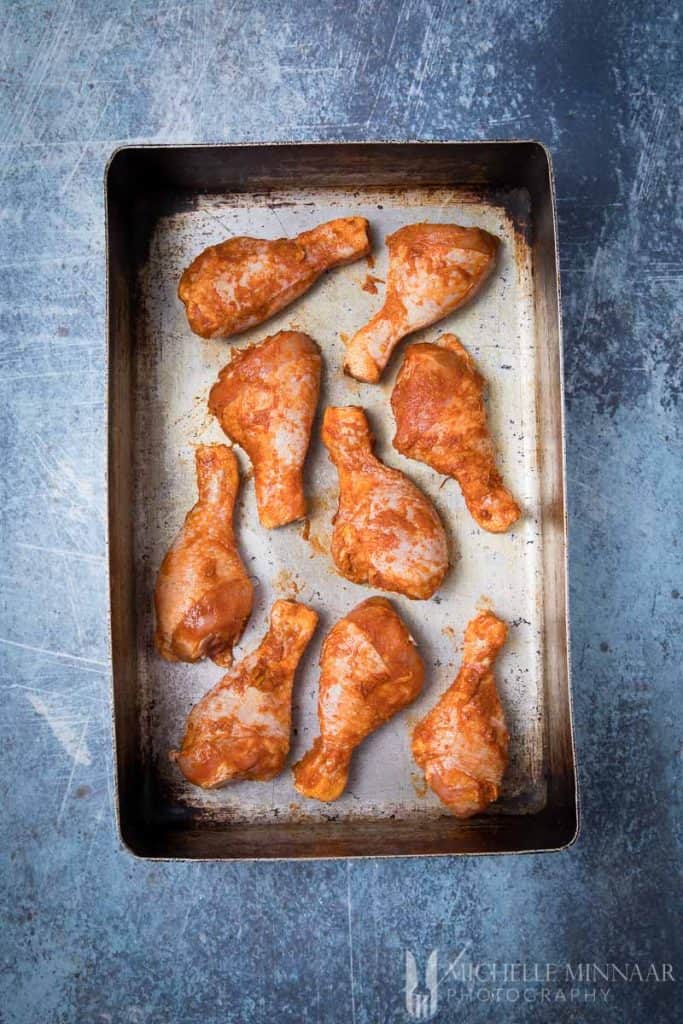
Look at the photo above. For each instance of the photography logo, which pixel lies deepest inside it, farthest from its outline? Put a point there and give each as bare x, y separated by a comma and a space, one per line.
422, 1001
523, 982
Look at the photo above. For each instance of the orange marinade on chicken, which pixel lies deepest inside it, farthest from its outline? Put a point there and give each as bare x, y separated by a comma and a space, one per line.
462, 743
438, 404
433, 269
243, 281
386, 532
370, 670
203, 595
241, 728
265, 400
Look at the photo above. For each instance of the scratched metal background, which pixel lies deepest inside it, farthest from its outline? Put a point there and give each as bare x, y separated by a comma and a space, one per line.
88, 933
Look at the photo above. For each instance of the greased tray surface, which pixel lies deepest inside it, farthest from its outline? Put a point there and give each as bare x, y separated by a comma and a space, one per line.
170, 376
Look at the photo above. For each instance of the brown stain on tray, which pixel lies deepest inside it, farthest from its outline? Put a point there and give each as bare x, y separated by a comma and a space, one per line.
370, 283
449, 632
318, 544
316, 541
419, 784
286, 584
324, 501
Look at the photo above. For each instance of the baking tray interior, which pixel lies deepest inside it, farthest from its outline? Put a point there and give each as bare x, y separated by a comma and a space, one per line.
164, 204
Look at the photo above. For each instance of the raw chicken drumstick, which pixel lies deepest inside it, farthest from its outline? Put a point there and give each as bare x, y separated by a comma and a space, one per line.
243, 281
386, 532
433, 269
438, 403
241, 728
265, 400
370, 669
462, 743
203, 596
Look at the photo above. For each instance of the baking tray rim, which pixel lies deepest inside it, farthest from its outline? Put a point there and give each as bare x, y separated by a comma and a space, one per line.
127, 147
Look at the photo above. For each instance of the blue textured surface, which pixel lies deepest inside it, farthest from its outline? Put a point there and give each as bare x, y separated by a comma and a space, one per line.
90, 934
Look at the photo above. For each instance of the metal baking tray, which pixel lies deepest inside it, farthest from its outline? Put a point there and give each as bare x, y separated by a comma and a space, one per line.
165, 204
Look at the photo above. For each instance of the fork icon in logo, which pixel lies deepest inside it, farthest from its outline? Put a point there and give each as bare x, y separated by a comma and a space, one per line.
422, 1002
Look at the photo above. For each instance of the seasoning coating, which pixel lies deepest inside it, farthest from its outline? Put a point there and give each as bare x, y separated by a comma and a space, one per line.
203, 595
462, 743
243, 281
438, 405
433, 269
370, 669
241, 728
386, 531
265, 400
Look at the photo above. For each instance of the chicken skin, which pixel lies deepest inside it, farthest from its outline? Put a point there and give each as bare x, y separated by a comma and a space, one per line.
203, 596
386, 532
438, 404
243, 281
370, 669
462, 743
265, 400
433, 269
241, 728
